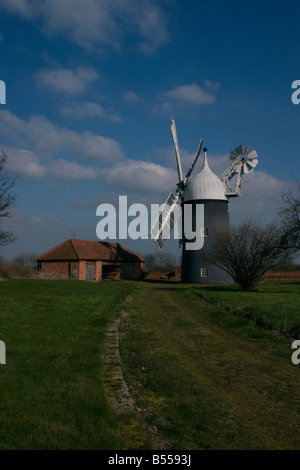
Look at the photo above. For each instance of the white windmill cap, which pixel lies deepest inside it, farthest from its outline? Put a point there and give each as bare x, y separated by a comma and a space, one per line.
205, 185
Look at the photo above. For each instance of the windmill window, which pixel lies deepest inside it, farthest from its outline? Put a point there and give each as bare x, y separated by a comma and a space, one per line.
204, 232
204, 272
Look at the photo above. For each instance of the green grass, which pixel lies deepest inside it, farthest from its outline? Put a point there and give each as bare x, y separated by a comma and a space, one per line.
51, 393
272, 306
205, 377
209, 367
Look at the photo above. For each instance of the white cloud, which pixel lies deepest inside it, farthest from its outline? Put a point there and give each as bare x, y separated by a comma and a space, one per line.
187, 96
65, 80
190, 94
24, 163
102, 149
45, 139
87, 109
261, 197
94, 23
21, 7
65, 170
11, 126
151, 25
140, 176
213, 86
89, 23
131, 97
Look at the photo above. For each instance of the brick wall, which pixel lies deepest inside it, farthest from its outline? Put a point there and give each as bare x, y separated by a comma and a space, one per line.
66, 269
77, 269
98, 270
60, 268
282, 276
81, 271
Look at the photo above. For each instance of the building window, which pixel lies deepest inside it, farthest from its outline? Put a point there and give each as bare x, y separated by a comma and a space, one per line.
204, 232
204, 272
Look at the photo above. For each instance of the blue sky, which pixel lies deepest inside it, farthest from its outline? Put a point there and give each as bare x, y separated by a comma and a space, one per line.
91, 87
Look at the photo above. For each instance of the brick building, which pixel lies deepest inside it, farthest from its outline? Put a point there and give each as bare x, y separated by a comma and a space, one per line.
91, 261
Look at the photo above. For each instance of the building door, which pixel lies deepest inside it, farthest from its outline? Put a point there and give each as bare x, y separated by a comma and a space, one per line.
90, 273
128, 271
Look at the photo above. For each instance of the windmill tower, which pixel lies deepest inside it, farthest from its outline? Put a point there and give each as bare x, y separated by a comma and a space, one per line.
211, 191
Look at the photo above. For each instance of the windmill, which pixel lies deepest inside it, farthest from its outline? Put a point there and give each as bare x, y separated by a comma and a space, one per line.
214, 193
167, 218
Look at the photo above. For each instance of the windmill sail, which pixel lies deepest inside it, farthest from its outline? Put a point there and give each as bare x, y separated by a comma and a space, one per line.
193, 162
166, 220
175, 140
242, 160
245, 157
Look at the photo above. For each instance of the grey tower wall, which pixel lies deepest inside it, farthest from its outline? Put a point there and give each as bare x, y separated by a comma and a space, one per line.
215, 216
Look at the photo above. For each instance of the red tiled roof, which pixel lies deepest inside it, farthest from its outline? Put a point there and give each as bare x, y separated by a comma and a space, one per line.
89, 250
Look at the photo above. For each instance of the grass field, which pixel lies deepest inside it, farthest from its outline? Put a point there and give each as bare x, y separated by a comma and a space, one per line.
51, 394
208, 367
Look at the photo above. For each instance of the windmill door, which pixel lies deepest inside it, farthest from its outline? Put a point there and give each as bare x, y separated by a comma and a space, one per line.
90, 274
128, 271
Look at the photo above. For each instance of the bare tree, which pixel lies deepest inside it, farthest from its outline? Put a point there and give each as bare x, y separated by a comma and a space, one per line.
161, 261
27, 259
247, 251
149, 260
3, 261
7, 200
290, 219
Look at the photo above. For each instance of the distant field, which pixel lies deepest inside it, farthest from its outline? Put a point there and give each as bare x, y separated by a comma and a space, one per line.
208, 367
